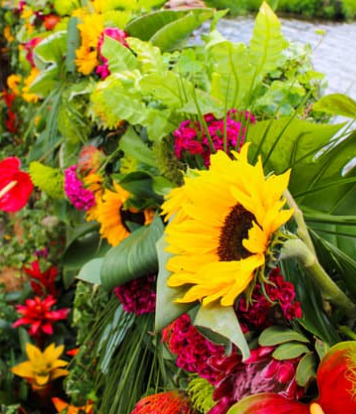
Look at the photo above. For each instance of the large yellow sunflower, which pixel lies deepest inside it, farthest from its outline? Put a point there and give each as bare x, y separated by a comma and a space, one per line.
222, 222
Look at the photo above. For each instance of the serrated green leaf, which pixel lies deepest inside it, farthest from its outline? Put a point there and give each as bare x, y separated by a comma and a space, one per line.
337, 104
148, 55
223, 321
120, 58
90, 272
290, 350
167, 310
306, 369
134, 257
276, 335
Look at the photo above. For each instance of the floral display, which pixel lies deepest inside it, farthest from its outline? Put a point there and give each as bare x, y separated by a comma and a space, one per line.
176, 215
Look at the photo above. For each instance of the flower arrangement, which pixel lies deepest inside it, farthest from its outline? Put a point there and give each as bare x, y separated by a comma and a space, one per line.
194, 251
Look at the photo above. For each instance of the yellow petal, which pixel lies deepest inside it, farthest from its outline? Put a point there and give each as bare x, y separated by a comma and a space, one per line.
41, 379
59, 373
33, 352
25, 370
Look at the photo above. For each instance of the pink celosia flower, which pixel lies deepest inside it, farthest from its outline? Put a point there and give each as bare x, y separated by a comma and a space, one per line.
194, 351
116, 34
44, 282
191, 137
138, 296
38, 314
80, 197
29, 47
260, 373
281, 296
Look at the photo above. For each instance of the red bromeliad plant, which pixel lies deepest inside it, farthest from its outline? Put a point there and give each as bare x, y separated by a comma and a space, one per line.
38, 314
336, 380
43, 282
15, 185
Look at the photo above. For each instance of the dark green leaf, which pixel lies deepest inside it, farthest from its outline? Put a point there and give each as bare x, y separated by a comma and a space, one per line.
134, 257
167, 310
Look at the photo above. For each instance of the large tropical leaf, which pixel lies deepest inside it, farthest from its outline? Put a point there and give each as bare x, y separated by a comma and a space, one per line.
120, 58
337, 104
134, 257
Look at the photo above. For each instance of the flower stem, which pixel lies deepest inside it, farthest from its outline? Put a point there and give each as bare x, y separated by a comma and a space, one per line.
302, 230
298, 249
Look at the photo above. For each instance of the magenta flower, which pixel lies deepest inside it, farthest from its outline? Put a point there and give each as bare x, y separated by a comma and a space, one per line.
80, 197
138, 296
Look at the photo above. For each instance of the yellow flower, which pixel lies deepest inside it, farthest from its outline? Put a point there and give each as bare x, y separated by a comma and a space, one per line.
90, 31
27, 96
7, 34
26, 14
13, 82
109, 215
93, 182
223, 221
71, 409
42, 367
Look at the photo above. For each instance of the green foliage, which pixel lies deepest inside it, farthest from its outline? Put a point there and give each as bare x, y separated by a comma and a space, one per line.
276, 335
200, 393
134, 257
50, 180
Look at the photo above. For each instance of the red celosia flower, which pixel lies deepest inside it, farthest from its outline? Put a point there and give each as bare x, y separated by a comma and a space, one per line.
336, 379
281, 294
138, 296
11, 121
38, 314
15, 185
194, 351
44, 282
50, 21
171, 402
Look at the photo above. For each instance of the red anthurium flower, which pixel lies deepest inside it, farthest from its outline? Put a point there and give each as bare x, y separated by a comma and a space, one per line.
15, 185
336, 379
38, 314
44, 282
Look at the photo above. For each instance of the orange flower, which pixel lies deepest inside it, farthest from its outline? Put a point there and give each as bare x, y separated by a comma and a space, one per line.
171, 402
71, 409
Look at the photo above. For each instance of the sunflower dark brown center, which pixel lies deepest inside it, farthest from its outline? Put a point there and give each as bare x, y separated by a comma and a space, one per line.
234, 231
127, 215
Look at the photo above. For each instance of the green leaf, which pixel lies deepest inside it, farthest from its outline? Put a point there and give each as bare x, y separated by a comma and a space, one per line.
276, 335
144, 27
223, 321
46, 81
51, 50
173, 34
290, 350
73, 43
120, 58
321, 348
337, 104
134, 257
148, 55
167, 310
83, 249
131, 144
306, 369
90, 272
267, 43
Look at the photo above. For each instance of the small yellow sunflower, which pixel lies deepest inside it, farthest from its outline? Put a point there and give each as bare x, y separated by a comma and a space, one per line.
109, 215
223, 221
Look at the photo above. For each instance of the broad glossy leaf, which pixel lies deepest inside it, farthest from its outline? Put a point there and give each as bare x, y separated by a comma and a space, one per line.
290, 350
223, 321
267, 42
51, 50
90, 272
147, 55
134, 257
306, 369
276, 335
174, 33
167, 310
46, 81
336, 104
120, 58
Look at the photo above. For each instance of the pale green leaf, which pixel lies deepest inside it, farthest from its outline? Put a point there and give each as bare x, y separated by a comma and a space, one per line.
276, 335
90, 272
290, 350
306, 369
223, 321
120, 58
337, 104
148, 55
